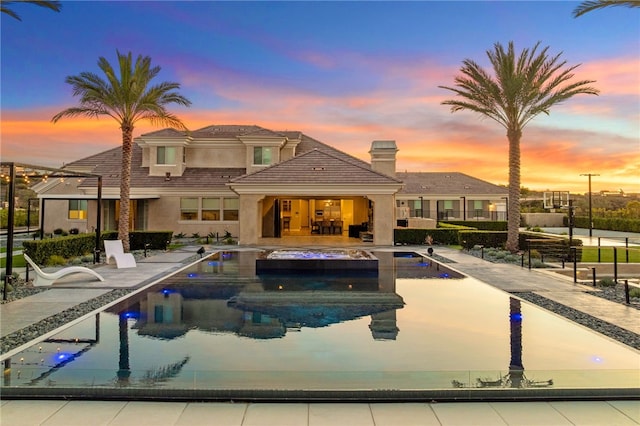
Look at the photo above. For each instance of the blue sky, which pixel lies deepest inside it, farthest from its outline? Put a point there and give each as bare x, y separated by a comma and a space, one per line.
345, 73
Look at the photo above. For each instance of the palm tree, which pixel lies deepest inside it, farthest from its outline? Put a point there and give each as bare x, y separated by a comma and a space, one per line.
521, 88
53, 5
127, 98
588, 6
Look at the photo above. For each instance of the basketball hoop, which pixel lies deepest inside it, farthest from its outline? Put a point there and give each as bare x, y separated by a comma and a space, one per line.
556, 200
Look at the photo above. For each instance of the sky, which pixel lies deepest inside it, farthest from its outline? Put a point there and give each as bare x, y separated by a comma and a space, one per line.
345, 73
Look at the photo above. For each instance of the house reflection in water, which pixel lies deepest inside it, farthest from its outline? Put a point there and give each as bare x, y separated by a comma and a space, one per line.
222, 294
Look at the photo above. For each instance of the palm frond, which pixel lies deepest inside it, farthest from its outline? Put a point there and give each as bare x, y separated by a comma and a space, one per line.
53, 5
588, 6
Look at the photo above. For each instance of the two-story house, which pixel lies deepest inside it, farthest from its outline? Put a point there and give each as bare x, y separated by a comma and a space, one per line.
257, 183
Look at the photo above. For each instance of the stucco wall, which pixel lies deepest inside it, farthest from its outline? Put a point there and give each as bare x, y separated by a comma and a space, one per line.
164, 214
544, 219
207, 157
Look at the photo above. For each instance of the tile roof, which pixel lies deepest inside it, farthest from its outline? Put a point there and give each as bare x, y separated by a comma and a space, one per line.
223, 131
446, 183
315, 162
317, 166
307, 143
108, 164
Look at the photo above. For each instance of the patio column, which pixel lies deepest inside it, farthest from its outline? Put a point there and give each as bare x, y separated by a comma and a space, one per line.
383, 218
250, 219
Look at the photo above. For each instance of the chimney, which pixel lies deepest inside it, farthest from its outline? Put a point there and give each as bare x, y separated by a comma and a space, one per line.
383, 157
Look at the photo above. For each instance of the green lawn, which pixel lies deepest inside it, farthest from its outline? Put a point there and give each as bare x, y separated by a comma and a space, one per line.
18, 261
590, 254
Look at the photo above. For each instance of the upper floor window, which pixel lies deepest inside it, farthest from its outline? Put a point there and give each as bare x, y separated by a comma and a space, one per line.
262, 155
77, 209
166, 155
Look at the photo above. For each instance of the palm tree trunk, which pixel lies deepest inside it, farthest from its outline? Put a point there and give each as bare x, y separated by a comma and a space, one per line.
513, 223
125, 186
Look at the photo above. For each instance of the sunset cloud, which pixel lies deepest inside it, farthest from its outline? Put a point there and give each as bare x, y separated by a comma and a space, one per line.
343, 73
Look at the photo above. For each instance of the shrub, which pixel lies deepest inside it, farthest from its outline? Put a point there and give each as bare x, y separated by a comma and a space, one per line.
56, 260
535, 254
58, 231
74, 231
500, 255
606, 282
537, 263
512, 258
634, 292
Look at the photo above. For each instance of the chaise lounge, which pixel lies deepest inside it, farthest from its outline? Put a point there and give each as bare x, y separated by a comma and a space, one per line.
45, 279
113, 250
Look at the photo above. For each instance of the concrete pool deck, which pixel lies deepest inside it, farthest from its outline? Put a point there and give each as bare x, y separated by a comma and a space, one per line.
74, 290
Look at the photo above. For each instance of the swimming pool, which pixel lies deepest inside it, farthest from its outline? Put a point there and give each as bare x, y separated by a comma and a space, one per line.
419, 329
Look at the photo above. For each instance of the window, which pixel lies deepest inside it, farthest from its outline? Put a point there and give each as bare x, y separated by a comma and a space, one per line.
211, 209
166, 155
77, 209
478, 208
448, 208
261, 155
416, 208
231, 208
188, 209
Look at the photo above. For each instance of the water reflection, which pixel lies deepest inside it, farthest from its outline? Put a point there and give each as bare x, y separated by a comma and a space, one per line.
515, 378
222, 294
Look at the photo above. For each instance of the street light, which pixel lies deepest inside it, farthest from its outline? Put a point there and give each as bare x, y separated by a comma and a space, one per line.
464, 208
590, 218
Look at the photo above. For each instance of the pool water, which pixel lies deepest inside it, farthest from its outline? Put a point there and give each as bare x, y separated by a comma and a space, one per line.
418, 325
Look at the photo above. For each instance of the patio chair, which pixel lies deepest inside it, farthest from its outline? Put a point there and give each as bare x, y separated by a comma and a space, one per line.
326, 227
337, 227
44, 278
113, 250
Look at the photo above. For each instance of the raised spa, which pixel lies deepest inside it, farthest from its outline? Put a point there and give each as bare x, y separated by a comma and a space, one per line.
335, 262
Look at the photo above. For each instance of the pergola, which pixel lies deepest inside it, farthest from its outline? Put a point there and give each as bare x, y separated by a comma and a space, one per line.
10, 172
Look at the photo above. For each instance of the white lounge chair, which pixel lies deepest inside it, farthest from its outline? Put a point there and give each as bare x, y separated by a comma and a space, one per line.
44, 278
113, 250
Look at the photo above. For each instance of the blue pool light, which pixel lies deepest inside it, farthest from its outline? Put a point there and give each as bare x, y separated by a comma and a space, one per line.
516, 317
131, 314
444, 275
192, 275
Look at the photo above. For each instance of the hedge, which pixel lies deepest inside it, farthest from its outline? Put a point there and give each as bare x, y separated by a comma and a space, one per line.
69, 246
484, 225
470, 239
415, 236
606, 223
157, 240
79, 245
